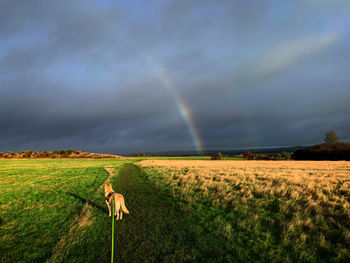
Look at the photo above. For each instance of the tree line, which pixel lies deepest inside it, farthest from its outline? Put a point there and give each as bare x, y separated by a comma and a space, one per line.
331, 149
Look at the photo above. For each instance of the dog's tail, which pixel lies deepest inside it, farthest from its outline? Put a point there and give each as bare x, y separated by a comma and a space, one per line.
122, 204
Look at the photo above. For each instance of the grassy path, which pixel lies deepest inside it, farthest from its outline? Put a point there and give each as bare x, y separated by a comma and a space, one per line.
154, 231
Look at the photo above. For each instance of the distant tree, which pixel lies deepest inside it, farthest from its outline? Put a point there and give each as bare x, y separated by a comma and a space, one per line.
216, 156
29, 154
286, 155
261, 156
139, 154
277, 156
248, 155
331, 137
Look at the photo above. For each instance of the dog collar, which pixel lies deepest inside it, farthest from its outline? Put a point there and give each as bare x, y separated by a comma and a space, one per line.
109, 196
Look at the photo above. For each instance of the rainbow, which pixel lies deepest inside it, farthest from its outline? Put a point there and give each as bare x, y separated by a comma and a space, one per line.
182, 108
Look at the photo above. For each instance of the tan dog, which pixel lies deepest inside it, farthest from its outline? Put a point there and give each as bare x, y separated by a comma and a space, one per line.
118, 202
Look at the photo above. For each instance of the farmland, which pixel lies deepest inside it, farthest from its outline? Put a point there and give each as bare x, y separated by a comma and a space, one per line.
181, 210
266, 211
40, 201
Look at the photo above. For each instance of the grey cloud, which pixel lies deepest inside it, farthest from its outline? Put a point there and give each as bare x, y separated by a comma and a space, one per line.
252, 73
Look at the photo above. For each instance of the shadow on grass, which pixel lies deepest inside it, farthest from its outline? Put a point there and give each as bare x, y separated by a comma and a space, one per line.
84, 200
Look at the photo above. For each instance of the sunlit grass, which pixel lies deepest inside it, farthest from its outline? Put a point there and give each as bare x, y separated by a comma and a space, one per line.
39, 200
230, 211
300, 209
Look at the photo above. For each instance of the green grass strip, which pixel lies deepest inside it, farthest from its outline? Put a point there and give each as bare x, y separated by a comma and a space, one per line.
156, 230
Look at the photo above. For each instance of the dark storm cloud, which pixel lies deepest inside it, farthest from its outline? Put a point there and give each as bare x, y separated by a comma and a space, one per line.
101, 75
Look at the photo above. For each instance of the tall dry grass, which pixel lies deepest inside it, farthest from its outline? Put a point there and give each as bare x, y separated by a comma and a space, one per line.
307, 203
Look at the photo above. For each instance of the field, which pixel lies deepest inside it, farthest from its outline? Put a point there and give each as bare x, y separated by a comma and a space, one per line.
267, 210
181, 210
41, 200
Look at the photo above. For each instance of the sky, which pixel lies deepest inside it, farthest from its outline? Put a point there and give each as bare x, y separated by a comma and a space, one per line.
147, 76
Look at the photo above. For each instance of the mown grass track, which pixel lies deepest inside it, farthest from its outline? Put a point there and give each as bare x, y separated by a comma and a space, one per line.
154, 231
157, 230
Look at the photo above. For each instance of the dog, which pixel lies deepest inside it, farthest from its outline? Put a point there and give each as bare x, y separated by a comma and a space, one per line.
118, 202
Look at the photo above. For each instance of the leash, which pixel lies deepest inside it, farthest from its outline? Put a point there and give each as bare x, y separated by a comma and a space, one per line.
112, 230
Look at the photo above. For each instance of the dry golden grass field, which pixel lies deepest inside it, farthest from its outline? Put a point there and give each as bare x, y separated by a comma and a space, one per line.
303, 206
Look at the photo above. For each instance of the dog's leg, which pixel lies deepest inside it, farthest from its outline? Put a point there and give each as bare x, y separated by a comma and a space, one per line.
109, 208
117, 208
121, 214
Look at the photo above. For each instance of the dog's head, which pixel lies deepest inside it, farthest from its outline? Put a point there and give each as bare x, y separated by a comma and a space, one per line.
108, 188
